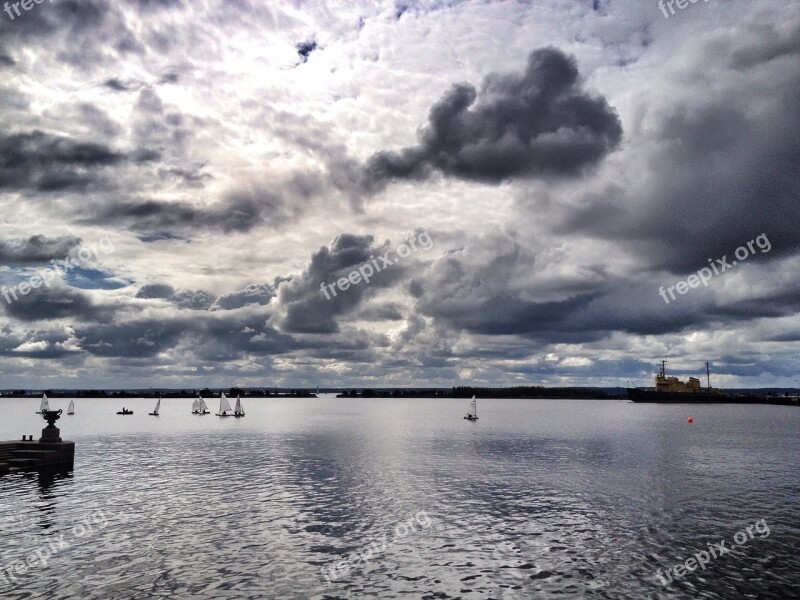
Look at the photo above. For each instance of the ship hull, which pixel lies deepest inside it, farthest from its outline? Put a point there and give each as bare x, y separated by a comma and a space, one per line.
653, 397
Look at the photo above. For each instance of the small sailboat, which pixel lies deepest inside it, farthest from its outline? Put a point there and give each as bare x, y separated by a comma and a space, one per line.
472, 415
125, 411
155, 410
224, 407
238, 411
199, 407
71, 409
44, 406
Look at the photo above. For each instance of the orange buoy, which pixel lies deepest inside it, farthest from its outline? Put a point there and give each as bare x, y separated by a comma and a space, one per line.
691, 419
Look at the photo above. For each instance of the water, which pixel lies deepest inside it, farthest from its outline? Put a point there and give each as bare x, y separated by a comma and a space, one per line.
537, 499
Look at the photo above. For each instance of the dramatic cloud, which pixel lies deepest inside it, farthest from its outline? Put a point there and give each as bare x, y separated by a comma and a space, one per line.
56, 301
304, 49
48, 163
37, 249
239, 212
304, 306
252, 294
718, 167
538, 123
594, 154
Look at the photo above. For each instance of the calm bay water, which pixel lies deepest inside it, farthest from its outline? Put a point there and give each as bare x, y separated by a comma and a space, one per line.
537, 499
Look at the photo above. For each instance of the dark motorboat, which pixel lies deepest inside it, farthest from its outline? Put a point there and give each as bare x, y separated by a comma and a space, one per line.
125, 411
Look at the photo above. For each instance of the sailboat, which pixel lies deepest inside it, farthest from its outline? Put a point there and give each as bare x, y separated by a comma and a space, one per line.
224, 406
44, 406
238, 411
472, 415
155, 410
199, 407
71, 409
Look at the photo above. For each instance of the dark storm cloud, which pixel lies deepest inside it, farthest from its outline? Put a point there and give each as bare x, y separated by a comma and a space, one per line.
137, 338
487, 289
48, 344
304, 49
160, 236
230, 336
44, 162
208, 336
80, 33
236, 325
721, 171
156, 290
239, 211
37, 249
149, 214
6, 61
258, 295
774, 305
55, 302
253, 294
537, 123
304, 309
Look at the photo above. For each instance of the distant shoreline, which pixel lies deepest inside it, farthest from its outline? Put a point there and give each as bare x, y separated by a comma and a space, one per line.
518, 392
112, 394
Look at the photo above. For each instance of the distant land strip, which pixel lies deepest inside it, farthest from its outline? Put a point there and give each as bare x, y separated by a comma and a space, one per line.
519, 392
523, 392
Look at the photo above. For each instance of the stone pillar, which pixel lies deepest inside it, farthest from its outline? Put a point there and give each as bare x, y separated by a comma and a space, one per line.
51, 434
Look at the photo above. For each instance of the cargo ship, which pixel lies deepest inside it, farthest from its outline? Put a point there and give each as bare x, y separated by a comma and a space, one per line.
673, 390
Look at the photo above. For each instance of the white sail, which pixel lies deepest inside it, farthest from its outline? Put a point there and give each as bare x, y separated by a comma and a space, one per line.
196, 405
203, 405
239, 410
158, 405
224, 405
45, 405
71, 409
473, 407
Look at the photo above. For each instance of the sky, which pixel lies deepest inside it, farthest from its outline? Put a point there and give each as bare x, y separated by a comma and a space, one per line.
548, 192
